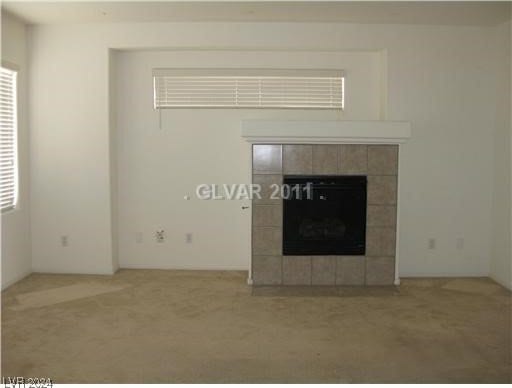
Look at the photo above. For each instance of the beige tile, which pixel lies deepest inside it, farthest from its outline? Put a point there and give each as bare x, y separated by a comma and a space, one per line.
296, 270
380, 241
266, 182
382, 190
383, 159
323, 270
325, 159
266, 240
267, 270
353, 159
266, 159
267, 215
297, 159
381, 215
380, 271
350, 270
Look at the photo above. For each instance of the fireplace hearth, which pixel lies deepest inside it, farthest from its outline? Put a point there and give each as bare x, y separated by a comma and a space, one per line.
324, 215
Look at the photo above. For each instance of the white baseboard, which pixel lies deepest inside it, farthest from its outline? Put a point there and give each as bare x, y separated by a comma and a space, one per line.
502, 283
443, 275
142, 266
450, 275
14, 280
65, 272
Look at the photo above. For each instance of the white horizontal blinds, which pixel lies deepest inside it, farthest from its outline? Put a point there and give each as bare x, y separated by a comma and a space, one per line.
8, 142
319, 89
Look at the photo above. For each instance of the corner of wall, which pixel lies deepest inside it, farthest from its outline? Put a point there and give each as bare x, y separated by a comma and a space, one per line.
113, 158
509, 285
501, 260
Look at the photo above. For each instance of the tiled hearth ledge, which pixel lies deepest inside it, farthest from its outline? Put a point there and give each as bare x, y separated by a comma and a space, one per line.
375, 140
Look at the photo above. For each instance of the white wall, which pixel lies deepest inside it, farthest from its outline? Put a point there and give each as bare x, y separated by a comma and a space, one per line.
158, 167
439, 78
501, 252
70, 152
16, 260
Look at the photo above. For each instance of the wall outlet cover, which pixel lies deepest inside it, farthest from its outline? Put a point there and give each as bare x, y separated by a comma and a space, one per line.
160, 236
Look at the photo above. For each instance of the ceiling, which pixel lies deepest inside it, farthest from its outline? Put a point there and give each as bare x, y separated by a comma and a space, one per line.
433, 13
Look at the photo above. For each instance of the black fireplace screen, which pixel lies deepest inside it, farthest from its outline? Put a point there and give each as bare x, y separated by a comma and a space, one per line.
324, 215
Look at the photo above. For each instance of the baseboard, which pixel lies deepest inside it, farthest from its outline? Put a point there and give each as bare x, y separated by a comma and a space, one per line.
114, 271
235, 268
448, 275
15, 280
502, 283
60, 272
444, 275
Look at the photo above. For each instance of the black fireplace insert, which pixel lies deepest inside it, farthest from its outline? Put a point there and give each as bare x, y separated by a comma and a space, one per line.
324, 215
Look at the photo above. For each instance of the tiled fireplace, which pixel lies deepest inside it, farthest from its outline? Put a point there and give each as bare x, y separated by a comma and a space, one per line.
378, 162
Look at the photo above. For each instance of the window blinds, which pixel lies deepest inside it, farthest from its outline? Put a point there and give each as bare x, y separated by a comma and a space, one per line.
8, 142
237, 88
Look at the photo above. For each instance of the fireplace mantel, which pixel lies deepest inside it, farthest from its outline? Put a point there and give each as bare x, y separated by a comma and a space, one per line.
325, 132
321, 138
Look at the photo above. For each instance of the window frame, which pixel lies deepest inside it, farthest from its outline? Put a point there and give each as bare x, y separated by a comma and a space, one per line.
235, 76
16, 201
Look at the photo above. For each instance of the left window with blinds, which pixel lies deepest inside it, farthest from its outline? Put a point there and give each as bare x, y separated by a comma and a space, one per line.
8, 139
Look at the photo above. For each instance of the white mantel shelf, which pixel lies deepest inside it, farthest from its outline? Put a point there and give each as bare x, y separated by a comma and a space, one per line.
325, 132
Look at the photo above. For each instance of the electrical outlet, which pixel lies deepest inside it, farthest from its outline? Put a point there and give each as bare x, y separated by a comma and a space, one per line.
139, 237
188, 238
160, 236
64, 241
460, 243
431, 243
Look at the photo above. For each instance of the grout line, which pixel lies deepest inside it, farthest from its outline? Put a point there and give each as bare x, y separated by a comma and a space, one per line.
364, 272
366, 150
252, 216
311, 270
336, 270
281, 227
338, 161
367, 204
282, 269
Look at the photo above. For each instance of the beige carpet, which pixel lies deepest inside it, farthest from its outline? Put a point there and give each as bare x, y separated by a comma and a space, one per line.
61, 294
183, 326
472, 286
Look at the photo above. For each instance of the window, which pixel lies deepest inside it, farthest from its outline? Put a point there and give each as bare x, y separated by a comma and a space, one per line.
8, 140
247, 88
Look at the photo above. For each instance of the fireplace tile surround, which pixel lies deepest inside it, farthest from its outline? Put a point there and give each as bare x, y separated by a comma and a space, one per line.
378, 161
